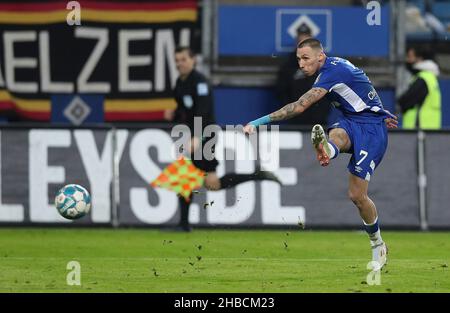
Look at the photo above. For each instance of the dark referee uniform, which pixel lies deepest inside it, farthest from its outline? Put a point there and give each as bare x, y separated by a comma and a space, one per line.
194, 99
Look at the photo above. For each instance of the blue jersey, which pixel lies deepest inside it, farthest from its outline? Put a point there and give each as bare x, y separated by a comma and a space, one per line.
350, 91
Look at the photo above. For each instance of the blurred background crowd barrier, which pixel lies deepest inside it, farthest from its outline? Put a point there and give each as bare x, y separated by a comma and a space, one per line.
117, 164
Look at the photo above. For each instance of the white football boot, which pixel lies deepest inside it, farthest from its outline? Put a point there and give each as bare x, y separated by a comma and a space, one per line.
320, 143
379, 255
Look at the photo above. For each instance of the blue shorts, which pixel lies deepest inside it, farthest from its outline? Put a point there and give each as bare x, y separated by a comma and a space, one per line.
368, 145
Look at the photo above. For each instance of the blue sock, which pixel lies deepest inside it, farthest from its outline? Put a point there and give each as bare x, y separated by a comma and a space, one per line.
336, 150
371, 228
373, 231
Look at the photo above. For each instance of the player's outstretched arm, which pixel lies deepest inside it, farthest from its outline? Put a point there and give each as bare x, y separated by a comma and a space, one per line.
289, 110
295, 108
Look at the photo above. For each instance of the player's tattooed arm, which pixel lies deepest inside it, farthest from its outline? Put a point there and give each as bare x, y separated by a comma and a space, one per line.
294, 108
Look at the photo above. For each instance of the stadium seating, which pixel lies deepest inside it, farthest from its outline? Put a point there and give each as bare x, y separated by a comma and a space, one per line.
438, 12
442, 11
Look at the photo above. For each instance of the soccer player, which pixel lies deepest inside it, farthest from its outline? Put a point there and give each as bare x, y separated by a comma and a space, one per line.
362, 132
194, 99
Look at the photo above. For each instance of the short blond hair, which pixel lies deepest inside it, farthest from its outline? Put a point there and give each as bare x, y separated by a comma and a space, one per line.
310, 42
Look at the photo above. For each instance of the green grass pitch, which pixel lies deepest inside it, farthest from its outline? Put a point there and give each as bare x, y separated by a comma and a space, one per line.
140, 260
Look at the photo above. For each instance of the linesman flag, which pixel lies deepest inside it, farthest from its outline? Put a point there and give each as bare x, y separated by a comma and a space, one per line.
180, 176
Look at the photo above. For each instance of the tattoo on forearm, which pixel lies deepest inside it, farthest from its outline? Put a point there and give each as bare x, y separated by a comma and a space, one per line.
286, 112
294, 108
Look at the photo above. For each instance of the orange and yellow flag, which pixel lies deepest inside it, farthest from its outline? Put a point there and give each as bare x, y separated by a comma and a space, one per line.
180, 176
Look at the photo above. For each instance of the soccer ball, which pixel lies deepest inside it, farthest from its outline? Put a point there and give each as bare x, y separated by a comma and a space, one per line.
73, 201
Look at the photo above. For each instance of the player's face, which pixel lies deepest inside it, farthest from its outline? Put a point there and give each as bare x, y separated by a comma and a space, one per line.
184, 62
309, 60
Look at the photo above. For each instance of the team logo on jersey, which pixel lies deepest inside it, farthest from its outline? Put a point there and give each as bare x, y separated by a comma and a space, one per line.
372, 94
188, 101
202, 89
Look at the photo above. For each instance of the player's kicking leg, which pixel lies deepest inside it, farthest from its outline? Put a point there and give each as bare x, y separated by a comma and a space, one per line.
327, 149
